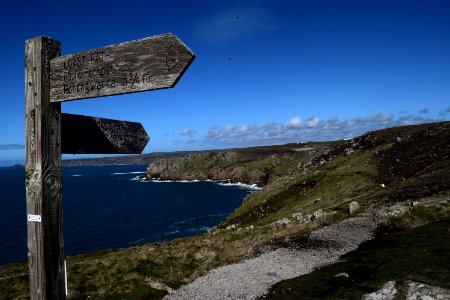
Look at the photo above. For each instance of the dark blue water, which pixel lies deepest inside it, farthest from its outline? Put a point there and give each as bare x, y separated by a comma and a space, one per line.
108, 207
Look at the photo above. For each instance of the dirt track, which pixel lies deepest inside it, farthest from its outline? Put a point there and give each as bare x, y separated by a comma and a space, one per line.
252, 278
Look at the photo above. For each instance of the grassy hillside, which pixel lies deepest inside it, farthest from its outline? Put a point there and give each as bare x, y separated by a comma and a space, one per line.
379, 168
313, 186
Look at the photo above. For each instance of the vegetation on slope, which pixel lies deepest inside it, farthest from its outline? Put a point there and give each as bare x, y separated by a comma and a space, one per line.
372, 169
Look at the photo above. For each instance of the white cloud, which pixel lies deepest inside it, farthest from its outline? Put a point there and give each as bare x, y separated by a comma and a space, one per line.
187, 132
297, 123
376, 119
244, 129
312, 122
229, 129
293, 123
294, 130
424, 111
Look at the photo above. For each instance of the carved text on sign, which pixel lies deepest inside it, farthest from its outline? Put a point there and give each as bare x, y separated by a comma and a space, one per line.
147, 64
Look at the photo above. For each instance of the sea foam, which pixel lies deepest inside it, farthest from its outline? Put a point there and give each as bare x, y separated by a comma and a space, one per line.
127, 173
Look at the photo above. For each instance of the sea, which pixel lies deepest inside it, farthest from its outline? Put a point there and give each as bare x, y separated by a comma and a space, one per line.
108, 207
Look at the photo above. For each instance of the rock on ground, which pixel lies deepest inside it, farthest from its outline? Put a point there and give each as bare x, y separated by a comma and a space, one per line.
387, 292
252, 278
352, 207
416, 291
421, 291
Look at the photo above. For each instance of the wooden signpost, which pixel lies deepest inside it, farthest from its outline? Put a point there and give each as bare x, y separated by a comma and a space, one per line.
147, 64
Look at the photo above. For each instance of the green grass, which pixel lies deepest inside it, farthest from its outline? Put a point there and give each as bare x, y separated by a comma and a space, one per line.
135, 289
331, 186
418, 254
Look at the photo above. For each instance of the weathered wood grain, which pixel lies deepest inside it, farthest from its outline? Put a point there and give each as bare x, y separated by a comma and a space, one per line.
147, 64
43, 173
89, 135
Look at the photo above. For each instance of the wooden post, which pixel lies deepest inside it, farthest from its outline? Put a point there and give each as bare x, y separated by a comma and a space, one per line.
151, 63
43, 173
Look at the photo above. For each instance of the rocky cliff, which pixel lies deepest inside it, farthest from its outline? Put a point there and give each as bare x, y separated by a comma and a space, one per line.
256, 165
203, 166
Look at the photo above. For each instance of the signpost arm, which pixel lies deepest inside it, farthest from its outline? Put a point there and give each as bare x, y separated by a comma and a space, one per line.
43, 173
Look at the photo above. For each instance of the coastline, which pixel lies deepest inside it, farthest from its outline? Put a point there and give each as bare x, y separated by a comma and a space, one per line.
226, 182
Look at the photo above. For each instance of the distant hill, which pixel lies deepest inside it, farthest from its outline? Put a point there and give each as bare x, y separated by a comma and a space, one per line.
17, 166
140, 159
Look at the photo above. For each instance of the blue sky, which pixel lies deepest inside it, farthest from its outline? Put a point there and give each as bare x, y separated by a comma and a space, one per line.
266, 72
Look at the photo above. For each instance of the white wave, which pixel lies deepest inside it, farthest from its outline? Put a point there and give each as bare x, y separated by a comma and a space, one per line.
199, 217
184, 221
127, 173
138, 241
76, 175
240, 184
199, 229
172, 232
253, 186
216, 216
159, 181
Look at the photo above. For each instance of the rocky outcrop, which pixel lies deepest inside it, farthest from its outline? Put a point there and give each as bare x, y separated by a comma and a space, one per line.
394, 211
279, 223
218, 166
415, 291
387, 292
254, 165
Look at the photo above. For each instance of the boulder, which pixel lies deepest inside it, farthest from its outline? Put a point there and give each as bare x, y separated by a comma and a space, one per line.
414, 204
301, 217
232, 226
348, 151
279, 223
352, 207
317, 214
341, 278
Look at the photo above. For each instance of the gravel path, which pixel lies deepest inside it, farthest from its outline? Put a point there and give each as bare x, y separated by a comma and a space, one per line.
252, 278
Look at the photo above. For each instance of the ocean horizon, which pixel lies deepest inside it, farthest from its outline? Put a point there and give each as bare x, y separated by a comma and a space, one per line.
109, 207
